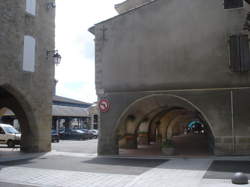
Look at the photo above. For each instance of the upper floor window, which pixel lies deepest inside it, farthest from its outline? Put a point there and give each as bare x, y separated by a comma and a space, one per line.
29, 49
239, 53
31, 7
229, 4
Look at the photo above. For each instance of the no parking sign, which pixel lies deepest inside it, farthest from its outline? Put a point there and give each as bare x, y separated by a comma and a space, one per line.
104, 105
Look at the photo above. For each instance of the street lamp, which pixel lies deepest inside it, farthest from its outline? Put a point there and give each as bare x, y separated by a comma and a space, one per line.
57, 57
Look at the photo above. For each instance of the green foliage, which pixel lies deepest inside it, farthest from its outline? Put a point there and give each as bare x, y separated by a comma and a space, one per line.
167, 143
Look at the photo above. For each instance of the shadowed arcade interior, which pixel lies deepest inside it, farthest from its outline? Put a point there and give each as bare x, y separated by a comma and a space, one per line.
164, 125
13, 111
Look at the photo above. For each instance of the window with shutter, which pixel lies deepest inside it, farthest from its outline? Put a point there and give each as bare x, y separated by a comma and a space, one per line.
239, 53
29, 49
31, 7
229, 4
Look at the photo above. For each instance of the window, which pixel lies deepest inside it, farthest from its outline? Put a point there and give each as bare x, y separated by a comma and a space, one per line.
29, 54
1, 131
229, 4
95, 118
239, 53
31, 7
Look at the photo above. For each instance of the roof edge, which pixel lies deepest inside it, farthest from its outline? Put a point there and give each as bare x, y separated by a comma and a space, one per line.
92, 29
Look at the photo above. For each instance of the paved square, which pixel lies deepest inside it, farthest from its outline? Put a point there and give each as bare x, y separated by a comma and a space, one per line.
71, 166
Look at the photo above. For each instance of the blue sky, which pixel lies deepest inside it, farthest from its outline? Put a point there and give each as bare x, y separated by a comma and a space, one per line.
76, 45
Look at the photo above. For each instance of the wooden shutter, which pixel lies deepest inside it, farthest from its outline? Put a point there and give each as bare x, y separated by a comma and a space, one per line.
228, 4
239, 53
244, 53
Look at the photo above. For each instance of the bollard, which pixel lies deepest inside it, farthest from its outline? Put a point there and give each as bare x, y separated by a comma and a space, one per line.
239, 178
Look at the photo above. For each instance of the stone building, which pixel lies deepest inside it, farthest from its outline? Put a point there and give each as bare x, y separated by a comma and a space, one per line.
68, 112
27, 68
164, 64
94, 116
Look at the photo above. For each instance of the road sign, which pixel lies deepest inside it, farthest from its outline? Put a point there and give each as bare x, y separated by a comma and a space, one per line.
104, 105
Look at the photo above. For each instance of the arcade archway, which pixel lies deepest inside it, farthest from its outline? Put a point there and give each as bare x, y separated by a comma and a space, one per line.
155, 123
13, 102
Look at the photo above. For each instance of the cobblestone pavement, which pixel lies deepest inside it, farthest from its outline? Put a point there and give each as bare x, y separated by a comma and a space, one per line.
62, 168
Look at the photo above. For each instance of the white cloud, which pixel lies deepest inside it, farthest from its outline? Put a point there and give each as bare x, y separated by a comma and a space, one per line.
73, 19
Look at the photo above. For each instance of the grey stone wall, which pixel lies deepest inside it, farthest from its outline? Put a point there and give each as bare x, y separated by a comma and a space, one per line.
34, 88
168, 45
230, 127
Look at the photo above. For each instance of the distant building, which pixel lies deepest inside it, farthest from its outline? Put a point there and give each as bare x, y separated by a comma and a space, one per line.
68, 112
94, 116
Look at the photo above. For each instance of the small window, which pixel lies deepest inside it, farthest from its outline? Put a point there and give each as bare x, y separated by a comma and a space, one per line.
31, 7
1, 131
95, 118
29, 54
229, 4
239, 53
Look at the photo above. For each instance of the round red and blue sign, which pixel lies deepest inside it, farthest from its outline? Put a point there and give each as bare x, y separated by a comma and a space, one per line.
104, 105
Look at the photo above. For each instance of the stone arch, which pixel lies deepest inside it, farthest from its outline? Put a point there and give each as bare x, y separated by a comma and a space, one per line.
181, 118
155, 101
15, 101
158, 102
166, 120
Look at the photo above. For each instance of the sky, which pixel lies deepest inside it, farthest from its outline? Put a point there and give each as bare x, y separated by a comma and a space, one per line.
76, 73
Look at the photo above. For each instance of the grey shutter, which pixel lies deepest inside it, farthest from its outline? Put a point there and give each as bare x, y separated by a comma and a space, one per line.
244, 53
234, 53
228, 4
239, 53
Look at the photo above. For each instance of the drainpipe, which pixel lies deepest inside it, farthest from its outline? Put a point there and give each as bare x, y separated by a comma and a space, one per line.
232, 119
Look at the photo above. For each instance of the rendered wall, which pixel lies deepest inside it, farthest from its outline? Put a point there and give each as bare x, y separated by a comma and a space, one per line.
167, 45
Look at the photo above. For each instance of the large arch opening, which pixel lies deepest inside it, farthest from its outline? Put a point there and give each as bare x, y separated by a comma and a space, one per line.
164, 125
15, 111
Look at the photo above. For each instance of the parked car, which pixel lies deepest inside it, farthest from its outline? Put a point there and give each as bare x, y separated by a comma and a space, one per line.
54, 136
69, 134
88, 133
94, 132
9, 135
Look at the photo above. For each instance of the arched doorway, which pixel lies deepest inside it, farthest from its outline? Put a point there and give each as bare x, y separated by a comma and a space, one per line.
13, 101
157, 121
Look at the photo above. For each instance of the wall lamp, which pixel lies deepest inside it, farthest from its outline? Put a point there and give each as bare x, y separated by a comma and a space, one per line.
51, 5
54, 53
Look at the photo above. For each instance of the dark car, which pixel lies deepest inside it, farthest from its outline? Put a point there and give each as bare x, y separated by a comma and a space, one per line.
88, 133
54, 136
75, 134
94, 132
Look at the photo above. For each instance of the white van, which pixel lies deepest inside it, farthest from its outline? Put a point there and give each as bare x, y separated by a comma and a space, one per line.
9, 135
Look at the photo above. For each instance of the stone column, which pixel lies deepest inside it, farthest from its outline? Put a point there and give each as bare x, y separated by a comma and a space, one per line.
223, 145
143, 139
107, 145
131, 141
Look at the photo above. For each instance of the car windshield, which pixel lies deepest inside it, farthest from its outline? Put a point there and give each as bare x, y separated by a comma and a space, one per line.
11, 130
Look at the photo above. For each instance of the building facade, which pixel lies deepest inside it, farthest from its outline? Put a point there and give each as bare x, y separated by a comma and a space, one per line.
162, 64
27, 69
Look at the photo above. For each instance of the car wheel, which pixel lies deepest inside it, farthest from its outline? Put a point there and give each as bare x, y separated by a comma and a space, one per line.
10, 144
57, 140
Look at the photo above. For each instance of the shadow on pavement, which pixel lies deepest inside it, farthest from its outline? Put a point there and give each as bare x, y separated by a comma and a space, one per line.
126, 162
226, 169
